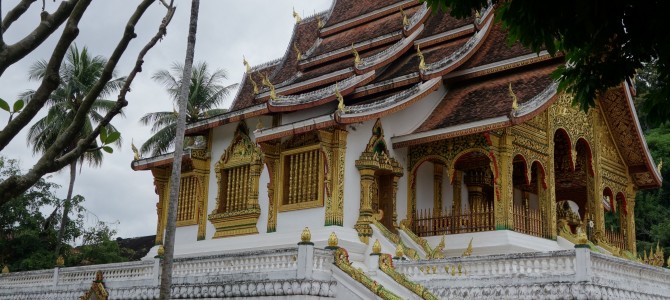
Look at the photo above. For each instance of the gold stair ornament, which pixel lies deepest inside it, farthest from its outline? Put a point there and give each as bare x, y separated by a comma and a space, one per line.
332, 241
399, 251
305, 236
5, 269
468, 250
161, 250
60, 261
376, 247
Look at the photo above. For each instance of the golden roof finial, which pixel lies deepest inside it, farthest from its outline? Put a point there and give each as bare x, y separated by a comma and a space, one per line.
296, 16
319, 22
332, 240
297, 51
253, 84
399, 250
306, 235
247, 67
405, 20
266, 82
477, 15
60, 261
340, 99
515, 100
376, 247
468, 250
357, 58
161, 250
136, 153
660, 165
422, 62
5, 269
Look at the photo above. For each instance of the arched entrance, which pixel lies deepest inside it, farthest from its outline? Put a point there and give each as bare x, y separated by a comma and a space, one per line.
573, 176
614, 208
528, 192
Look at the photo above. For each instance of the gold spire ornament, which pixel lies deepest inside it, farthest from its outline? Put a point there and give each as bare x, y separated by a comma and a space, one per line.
660, 165
477, 15
5, 269
332, 241
297, 51
340, 100
60, 261
468, 250
296, 16
405, 19
376, 247
305, 236
136, 153
515, 100
266, 82
422, 61
161, 251
357, 58
247, 67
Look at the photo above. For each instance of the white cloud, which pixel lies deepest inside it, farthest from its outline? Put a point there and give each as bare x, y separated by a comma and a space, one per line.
226, 30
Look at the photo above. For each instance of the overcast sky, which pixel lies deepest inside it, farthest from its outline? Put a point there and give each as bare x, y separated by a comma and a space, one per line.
258, 29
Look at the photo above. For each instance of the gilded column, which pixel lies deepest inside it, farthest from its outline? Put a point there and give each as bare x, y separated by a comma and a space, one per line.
395, 193
365, 214
596, 187
335, 209
271, 159
457, 190
543, 197
503, 210
631, 241
438, 170
161, 179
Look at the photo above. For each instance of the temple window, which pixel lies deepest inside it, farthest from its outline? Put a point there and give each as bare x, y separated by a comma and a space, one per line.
237, 173
302, 185
189, 194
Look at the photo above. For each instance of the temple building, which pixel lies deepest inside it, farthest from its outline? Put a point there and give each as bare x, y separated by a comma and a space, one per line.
387, 127
391, 114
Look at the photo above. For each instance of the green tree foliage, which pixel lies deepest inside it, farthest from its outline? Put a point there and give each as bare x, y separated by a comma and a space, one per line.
29, 229
604, 42
78, 75
206, 93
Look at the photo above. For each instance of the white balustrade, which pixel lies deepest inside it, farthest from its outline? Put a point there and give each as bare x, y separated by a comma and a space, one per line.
257, 261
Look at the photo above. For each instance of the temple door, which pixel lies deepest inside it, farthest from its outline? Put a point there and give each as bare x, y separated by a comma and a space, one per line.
386, 200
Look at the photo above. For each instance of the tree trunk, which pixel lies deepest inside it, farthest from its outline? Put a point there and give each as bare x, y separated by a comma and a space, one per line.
66, 207
166, 273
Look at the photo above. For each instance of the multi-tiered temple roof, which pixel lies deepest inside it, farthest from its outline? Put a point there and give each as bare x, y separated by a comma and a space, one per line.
383, 56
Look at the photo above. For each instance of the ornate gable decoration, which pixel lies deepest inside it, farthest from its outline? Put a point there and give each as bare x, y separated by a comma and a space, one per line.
241, 150
376, 155
377, 144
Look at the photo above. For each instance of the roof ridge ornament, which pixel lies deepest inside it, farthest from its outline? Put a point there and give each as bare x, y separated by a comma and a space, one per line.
247, 67
340, 100
319, 22
422, 62
136, 154
297, 51
266, 82
253, 83
357, 57
405, 19
515, 100
659, 167
297, 17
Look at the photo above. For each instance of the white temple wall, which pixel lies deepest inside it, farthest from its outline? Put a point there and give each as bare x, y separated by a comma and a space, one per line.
357, 138
424, 186
186, 234
263, 200
221, 139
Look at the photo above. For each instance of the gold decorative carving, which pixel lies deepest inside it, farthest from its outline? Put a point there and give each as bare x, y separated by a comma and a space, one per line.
297, 17
515, 100
298, 54
97, 290
376, 247
386, 266
422, 60
343, 263
266, 82
418, 240
394, 238
60, 261
332, 240
357, 57
237, 176
306, 235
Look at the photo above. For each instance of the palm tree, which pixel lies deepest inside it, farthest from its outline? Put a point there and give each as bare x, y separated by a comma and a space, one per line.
205, 93
78, 74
